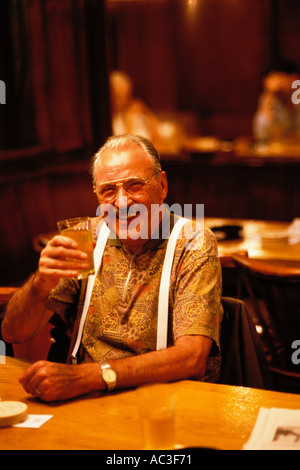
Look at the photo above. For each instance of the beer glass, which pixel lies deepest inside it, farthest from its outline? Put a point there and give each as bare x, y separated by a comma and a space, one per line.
80, 230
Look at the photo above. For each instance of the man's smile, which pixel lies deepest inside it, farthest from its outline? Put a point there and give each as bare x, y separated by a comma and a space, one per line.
126, 215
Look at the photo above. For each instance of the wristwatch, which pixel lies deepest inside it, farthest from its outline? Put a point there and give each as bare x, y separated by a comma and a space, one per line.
109, 376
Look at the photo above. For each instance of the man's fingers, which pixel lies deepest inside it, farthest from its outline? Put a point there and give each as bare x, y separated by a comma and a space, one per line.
64, 248
32, 377
61, 258
51, 381
59, 240
63, 263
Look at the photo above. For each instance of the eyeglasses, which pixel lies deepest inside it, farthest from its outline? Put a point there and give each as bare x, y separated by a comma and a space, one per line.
134, 186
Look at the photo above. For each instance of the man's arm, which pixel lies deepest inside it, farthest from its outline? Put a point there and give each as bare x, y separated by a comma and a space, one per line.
186, 359
26, 314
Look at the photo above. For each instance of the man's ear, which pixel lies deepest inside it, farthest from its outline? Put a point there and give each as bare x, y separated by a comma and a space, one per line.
164, 186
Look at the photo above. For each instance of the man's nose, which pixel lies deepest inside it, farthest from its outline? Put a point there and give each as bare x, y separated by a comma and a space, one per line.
122, 200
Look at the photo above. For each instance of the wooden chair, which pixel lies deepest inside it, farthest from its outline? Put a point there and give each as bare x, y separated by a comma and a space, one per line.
273, 292
32, 350
5, 294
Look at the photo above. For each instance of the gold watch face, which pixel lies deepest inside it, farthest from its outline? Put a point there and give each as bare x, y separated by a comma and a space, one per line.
109, 375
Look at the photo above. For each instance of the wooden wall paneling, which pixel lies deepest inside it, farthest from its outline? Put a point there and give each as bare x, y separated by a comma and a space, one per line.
6, 73
72, 195
269, 192
81, 69
159, 58
225, 191
221, 193
17, 127
35, 198
40, 79
267, 195
221, 49
61, 67
288, 29
31, 203
27, 211
294, 202
57, 80
142, 43
16, 251
97, 71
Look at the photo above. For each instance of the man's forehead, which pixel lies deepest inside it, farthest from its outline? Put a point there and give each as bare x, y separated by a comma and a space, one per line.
125, 156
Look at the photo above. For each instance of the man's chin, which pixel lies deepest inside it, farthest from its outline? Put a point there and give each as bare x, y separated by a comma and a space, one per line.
128, 229
128, 233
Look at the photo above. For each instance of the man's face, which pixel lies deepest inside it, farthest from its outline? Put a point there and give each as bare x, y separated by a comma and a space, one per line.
131, 216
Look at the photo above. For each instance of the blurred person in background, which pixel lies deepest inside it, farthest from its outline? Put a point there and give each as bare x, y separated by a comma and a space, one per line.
130, 115
277, 116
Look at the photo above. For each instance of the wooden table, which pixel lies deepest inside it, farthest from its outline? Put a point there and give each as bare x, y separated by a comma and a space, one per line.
208, 415
255, 241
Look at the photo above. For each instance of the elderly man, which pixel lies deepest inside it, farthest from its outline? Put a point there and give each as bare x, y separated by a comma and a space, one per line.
118, 344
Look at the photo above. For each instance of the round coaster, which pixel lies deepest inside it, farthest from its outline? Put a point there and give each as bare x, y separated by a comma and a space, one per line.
12, 412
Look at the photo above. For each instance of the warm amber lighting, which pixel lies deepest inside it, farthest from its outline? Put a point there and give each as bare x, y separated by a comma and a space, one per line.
192, 4
191, 8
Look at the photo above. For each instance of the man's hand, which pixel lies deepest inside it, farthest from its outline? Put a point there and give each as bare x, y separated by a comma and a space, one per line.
26, 313
60, 259
51, 381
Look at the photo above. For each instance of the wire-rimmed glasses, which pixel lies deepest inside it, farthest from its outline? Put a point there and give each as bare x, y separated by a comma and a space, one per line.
134, 186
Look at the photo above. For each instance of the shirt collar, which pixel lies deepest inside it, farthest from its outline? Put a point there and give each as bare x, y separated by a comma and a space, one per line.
160, 235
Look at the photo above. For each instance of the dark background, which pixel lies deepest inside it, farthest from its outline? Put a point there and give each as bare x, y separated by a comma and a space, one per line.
202, 58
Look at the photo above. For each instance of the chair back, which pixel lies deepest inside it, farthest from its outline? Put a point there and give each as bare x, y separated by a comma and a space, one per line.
5, 295
243, 362
274, 295
32, 350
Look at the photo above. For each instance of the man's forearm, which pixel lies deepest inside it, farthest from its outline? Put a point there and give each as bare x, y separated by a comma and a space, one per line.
26, 314
187, 359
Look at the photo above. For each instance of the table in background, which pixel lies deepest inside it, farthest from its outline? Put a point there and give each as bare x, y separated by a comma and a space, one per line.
208, 415
251, 242
240, 179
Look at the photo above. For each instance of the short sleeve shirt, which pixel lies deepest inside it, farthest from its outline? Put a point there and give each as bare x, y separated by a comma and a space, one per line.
122, 316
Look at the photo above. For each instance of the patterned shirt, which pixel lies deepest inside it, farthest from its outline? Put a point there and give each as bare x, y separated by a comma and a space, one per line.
122, 316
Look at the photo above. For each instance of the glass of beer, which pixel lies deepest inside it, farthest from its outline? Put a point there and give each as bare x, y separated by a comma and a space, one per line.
80, 230
157, 404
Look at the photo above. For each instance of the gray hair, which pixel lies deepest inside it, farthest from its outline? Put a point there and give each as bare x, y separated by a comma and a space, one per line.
120, 141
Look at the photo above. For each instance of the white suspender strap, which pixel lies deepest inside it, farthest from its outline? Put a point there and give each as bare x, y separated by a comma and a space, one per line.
163, 301
98, 253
